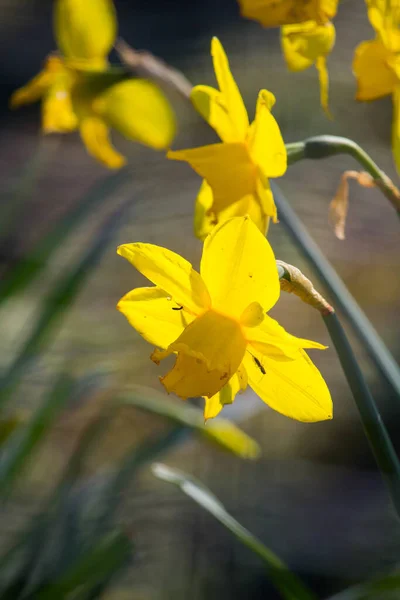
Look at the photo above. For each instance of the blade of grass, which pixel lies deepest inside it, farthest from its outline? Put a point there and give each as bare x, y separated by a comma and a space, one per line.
323, 146
221, 431
286, 582
58, 301
374, 428
24, 272
339, 292
378, 588
22, 444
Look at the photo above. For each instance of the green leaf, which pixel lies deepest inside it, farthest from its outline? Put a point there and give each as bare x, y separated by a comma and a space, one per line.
104, 559
220, 431
20, 447
286, 582
24, 272
64, 292
384, 587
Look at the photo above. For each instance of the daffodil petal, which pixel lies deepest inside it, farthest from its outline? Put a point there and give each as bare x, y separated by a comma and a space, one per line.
267, 147
227, 168
238, 267
95, 135
170, 272
153, 313
203, 220
271, 13
374, 76
140, 111
270, 337
323, 76
209, 103
295, 388
85, 29
266, 198
39, 85
229, 89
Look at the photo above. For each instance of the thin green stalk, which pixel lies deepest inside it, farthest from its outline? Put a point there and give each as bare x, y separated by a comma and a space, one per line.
56, 304
284, 580
339, 292
30, 266
323, 146
374, 428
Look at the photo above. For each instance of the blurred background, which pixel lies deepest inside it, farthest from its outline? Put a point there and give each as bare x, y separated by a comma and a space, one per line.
315, 496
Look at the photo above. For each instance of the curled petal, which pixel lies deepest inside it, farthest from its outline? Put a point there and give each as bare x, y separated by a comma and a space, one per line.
267, 147
216, 403
303, 44
374, 76
238, 267
153, 313
37, 87
85, 30
295, 388
140, 111
271, 13
170, 272
95, 136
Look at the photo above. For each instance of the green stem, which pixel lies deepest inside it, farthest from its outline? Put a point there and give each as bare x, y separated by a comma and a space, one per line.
374, 428
339, 292
323, 146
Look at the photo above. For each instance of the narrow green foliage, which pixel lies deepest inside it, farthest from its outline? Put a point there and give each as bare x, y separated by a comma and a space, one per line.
286, 582
222, 432
342, 298
22, 444
374, 427
88, 571
383, 587
64, 292
24, 272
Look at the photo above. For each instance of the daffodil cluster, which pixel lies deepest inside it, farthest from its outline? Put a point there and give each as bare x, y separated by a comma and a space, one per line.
307, 33
236, 171
376, 62
79, 90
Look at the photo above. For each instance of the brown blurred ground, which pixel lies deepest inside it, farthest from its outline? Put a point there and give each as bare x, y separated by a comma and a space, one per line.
315, 496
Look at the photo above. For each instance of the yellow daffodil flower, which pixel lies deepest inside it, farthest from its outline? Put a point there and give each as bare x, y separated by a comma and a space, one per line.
80, 91
307, 35
88, 100
85, 31
235, 172
216, 325
376, 64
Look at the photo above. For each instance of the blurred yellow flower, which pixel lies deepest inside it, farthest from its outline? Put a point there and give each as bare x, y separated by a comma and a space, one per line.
376, 63
307, 35
215, 322
80, 91
235, 172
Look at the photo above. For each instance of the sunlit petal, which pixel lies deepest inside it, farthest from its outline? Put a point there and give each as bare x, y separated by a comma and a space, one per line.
396, 128
216, 403
170, 272
273, 13
227, 168
238, 267
230, 91
295, 388
209, 102
57, 111
267, 147
153, 313
374, 76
